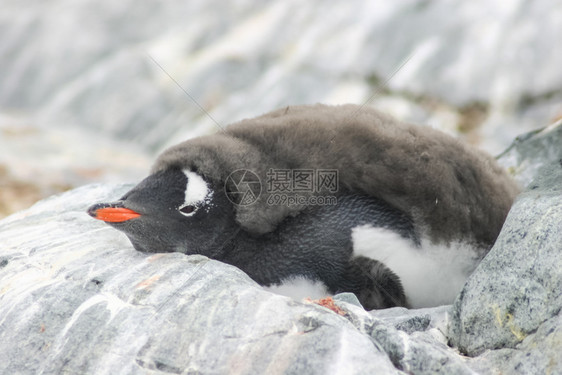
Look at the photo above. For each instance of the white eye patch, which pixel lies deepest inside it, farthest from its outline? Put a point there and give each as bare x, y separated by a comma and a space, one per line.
197, 193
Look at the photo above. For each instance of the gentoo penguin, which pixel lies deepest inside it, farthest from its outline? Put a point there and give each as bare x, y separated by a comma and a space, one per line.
396, 213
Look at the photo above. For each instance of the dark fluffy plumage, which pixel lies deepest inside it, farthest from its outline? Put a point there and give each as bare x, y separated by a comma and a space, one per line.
450, 190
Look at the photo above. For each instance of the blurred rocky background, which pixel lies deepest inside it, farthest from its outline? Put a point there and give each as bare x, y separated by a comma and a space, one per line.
87, 89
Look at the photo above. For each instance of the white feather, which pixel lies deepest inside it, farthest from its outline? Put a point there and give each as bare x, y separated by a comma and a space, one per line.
196, 189
431, 275
197, 192
299, 288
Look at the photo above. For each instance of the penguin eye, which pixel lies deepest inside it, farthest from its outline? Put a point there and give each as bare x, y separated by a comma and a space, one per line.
187, 210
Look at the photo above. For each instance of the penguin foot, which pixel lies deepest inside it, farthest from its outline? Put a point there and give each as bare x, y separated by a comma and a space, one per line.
374, 284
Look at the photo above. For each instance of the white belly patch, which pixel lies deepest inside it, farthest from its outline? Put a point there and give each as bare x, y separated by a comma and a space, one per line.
431, 275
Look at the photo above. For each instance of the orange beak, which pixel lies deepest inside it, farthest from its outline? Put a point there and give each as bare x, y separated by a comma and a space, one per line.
112, 213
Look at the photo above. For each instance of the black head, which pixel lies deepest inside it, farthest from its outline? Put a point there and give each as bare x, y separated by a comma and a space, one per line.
173, 210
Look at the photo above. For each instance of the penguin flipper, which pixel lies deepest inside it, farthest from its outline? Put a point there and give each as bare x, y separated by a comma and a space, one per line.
374, 284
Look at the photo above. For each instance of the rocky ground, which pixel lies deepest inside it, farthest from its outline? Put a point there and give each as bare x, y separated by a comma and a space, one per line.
75, 297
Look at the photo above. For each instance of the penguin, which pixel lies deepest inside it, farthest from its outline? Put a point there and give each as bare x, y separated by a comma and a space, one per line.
339, 198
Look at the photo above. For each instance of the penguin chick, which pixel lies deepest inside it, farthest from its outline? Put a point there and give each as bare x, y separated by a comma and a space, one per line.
400, 187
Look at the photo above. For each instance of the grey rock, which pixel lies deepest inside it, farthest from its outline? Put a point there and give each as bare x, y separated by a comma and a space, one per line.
76, 298
415, 320
422, 352
349, 298
516, 288
539, 353
532, 151
247, 59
